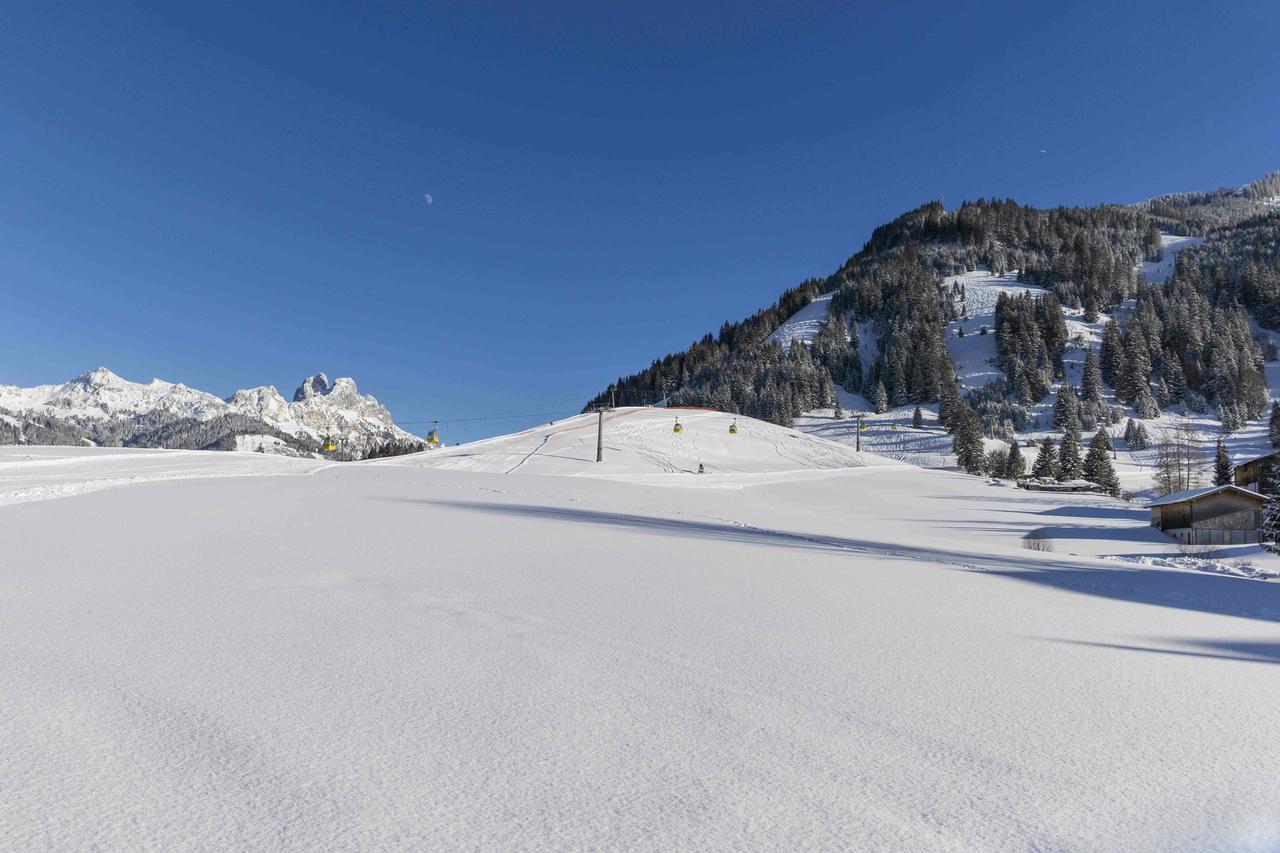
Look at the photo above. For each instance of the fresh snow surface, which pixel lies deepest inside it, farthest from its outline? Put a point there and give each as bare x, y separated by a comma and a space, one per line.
384, 655
1162, 270
41, 473
803, 325
642, 442
974, 355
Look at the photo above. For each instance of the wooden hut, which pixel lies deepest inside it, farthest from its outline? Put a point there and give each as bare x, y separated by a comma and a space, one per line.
1214, 515
1248, 474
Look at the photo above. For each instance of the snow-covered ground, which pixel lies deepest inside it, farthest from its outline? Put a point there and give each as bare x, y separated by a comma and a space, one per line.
1162, 270
974, 353
390, 655
641, 442
42, 473
803, 325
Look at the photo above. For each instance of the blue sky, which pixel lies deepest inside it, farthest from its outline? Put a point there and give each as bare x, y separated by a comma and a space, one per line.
233, 195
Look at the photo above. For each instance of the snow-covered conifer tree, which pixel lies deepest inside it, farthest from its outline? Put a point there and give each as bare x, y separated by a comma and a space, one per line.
1269, 531
880, 399
1017, 465
1097, 466
1070, 467
1046, 464
967, 442
1221, 465
1091, 382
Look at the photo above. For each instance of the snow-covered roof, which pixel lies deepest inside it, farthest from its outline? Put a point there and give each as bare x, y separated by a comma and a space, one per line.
1270, 455
1196, 494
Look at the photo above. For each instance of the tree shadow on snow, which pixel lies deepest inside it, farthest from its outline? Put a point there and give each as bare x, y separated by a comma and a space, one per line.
1238, 650
1183, 590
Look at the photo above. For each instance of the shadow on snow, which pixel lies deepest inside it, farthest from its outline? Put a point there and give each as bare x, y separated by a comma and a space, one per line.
1184, 590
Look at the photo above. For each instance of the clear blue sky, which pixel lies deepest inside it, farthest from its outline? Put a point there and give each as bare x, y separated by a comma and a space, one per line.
233, 195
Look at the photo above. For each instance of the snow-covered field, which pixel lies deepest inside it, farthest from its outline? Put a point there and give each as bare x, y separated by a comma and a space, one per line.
42, 473
398, 655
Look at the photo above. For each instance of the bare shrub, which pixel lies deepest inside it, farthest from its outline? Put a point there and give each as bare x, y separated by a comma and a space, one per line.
1037, 540
1193, 549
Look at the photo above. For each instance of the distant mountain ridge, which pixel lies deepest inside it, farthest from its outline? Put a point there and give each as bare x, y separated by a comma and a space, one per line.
99, 407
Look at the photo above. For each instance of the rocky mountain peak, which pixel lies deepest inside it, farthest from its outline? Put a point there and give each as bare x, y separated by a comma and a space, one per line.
311, 387
99, 377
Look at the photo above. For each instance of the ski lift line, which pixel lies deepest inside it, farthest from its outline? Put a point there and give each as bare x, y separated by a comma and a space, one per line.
567, 411
486, 417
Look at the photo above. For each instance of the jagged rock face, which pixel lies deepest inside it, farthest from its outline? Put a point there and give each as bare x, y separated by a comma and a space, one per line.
103, 408
312, 386
264, 401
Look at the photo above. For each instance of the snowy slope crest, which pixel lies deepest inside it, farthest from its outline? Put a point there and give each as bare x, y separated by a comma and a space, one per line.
100, 407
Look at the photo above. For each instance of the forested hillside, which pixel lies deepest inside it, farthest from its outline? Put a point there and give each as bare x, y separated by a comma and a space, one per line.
1185, 342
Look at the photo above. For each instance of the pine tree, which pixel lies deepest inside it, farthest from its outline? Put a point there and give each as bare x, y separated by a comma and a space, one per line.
1112, 354
1136, 377
917, 418
1069, 465
1097, 466
1091, 381
1273, 428
1046, 464
967, 442
1066, 406
1141, 440
1221, 466
1269, 531
1144, 404
880, 399
1017, 465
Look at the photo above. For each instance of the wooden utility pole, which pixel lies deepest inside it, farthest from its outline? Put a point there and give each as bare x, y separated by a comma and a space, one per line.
600, 436
857, 433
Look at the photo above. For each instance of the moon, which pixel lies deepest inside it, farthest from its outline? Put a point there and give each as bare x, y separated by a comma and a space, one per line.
426, 197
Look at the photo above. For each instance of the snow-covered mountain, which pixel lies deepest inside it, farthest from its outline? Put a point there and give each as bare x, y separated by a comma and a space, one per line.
99, 407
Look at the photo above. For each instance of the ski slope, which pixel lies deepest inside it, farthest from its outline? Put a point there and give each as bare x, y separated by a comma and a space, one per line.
642, 441
1162, 270
803, 325
974, 353
387, 655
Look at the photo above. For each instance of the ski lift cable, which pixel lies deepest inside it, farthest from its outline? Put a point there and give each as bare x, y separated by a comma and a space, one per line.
559, 412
